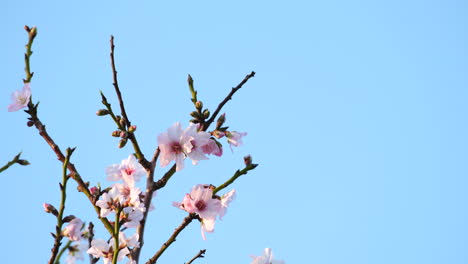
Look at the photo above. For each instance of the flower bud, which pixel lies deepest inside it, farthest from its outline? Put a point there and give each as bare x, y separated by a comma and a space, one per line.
248, 160
218, 134
206, 113
94, 190
116, 133
23, 162
122, 122
195, 115
30, 123
221, 120
48, 208
122, 143
199, 105
68, 218
132, 129
33, 32
102, 112
123, 134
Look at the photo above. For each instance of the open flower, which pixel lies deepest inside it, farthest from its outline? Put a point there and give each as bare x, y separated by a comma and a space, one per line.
100, 248
171, 146
20, 98
235, 138
194, 141
200, 201
73, 229
267, 258
128, 170
176, 144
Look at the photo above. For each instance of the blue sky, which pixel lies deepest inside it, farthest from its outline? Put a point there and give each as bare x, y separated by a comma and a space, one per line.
357, 117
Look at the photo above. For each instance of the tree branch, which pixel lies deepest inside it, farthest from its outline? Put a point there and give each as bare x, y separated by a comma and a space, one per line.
199, 255
187, 220
228, 97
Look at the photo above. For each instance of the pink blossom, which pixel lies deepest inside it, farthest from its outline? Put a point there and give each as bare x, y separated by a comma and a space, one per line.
109, 201
128, 170
226, 199
100, 248
212, 147
193, 143
200, 201
73, 229
20, 98
171, 146
267, 258
235, 138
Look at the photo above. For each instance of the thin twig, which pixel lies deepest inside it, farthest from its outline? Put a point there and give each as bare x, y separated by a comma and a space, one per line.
199, 255
187, 220
16, 159
147, 203
92, 260
82, 186
116, 84
34, 120
236, 175
228, 97
59, 256
63, 190
141, 158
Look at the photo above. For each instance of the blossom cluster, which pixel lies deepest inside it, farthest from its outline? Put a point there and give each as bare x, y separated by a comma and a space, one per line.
177, 144
103, 249
124, 199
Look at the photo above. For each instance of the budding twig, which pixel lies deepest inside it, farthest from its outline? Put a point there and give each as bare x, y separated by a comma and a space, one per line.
34, 118
228, 97
126, 122
16, 159
236, 175
63, 189
199, 255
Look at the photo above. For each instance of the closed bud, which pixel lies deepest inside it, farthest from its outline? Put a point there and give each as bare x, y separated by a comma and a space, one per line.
94, 190
190, 80
68, 218
195, 114
30, 123
132, 129
248, 160
199, 105
206, 113
23, 162
122, 143
48, 208
221, 120
123, 134
116, 133
102, 112
195, 121
122, 122
33, 32
218, 134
